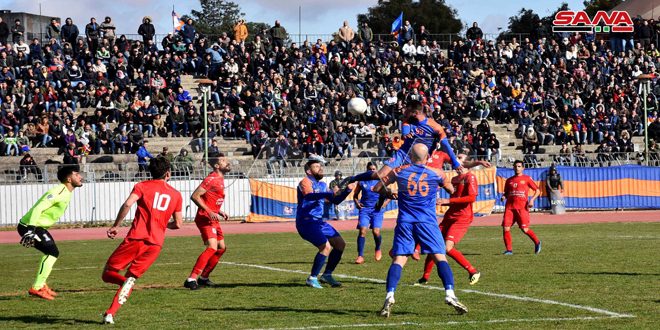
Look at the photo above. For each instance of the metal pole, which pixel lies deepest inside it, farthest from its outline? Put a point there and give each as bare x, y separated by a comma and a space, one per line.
299, 24
206, 128
41, 31
646, 86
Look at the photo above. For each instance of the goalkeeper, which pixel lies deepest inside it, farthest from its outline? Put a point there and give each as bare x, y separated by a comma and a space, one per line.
34, 224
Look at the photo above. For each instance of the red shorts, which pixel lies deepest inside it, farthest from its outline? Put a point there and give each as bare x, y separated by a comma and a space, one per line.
138, 253
519, 216
209, 229
454, 229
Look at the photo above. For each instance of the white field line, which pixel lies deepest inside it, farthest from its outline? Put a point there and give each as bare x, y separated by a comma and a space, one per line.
418, 324
379, 281
430, 287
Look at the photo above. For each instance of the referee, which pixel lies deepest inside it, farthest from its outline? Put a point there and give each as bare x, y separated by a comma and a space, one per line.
34, 224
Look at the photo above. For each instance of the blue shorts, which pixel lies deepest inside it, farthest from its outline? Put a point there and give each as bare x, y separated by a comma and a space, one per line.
428, 236
399, 158
316, 232
370, 218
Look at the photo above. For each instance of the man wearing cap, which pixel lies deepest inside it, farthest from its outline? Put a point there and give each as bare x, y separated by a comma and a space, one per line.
312, 194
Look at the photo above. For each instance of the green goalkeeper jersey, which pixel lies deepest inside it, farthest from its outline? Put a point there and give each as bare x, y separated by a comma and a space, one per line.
49, 208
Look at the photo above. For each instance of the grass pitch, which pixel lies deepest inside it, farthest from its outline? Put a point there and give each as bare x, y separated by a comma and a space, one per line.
587, 277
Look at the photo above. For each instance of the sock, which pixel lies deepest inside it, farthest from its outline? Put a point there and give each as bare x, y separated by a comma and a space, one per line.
444, 271
428, 267
461, 260
111, 276
418, 248
507, 240
319, 260
202, 261
360, 243
114, 307
378, 239
366, 176
532, 236
393, 277
333, 260
45, 267
213, 261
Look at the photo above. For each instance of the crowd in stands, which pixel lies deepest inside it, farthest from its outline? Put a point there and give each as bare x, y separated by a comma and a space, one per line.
291, 98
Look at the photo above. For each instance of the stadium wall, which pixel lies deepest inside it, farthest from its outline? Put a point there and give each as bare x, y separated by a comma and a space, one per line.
614, 187
628, 187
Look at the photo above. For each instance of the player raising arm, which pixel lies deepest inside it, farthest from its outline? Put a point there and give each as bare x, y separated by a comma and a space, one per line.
33, 226
457, 220
516, 210
157, 202
209, 197
417, 128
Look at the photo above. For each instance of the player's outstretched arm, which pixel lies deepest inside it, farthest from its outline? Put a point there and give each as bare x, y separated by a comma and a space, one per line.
475, 163
341, 196
178, 221
356, 197
123, 212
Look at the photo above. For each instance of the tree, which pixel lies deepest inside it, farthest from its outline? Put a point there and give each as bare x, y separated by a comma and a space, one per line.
435, 15
254, 28
217, 16
525, 22
592, 6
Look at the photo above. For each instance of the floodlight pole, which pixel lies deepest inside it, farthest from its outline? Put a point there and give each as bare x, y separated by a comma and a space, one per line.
645, 86
205, 86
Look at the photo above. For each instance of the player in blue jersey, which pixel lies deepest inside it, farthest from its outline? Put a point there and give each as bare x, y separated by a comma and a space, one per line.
416, 222
416, 129
365, 200
312, 194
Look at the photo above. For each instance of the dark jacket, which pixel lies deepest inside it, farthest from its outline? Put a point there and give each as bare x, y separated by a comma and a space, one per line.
4, 31
93, 31
147, 31
70, 33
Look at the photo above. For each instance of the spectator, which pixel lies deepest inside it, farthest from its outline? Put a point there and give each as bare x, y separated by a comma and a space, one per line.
334, 187
240, 32
342, 144
28, 165
104, 140
53, 29
146, 30
4, 32
17, 32
108, 30
188, 32
530, 141
257, 142
346, 35
69, 32
366, 35
72, 155
183, 163
407, 33
93, 32
142, 156
11, 142
474, 33
135, 140
493, 145
278, 35
279, 155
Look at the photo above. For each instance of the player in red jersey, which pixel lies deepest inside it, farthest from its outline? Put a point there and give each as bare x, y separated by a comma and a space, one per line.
157, 202
438, 160
457, 219
209, 197
516, 193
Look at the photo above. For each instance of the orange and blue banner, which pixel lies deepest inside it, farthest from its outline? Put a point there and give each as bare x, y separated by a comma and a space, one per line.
277, 202
629, 186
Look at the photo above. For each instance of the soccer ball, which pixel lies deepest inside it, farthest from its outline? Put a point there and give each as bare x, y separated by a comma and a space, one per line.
357, 106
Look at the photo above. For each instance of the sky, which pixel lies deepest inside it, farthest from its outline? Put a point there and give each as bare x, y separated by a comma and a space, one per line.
318, 16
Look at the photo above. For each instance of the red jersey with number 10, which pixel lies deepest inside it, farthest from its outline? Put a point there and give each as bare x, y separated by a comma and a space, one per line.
158, 202
214, 184
465, 185
516, 190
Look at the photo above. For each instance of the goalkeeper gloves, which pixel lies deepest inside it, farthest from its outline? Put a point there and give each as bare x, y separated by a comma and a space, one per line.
29, 238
